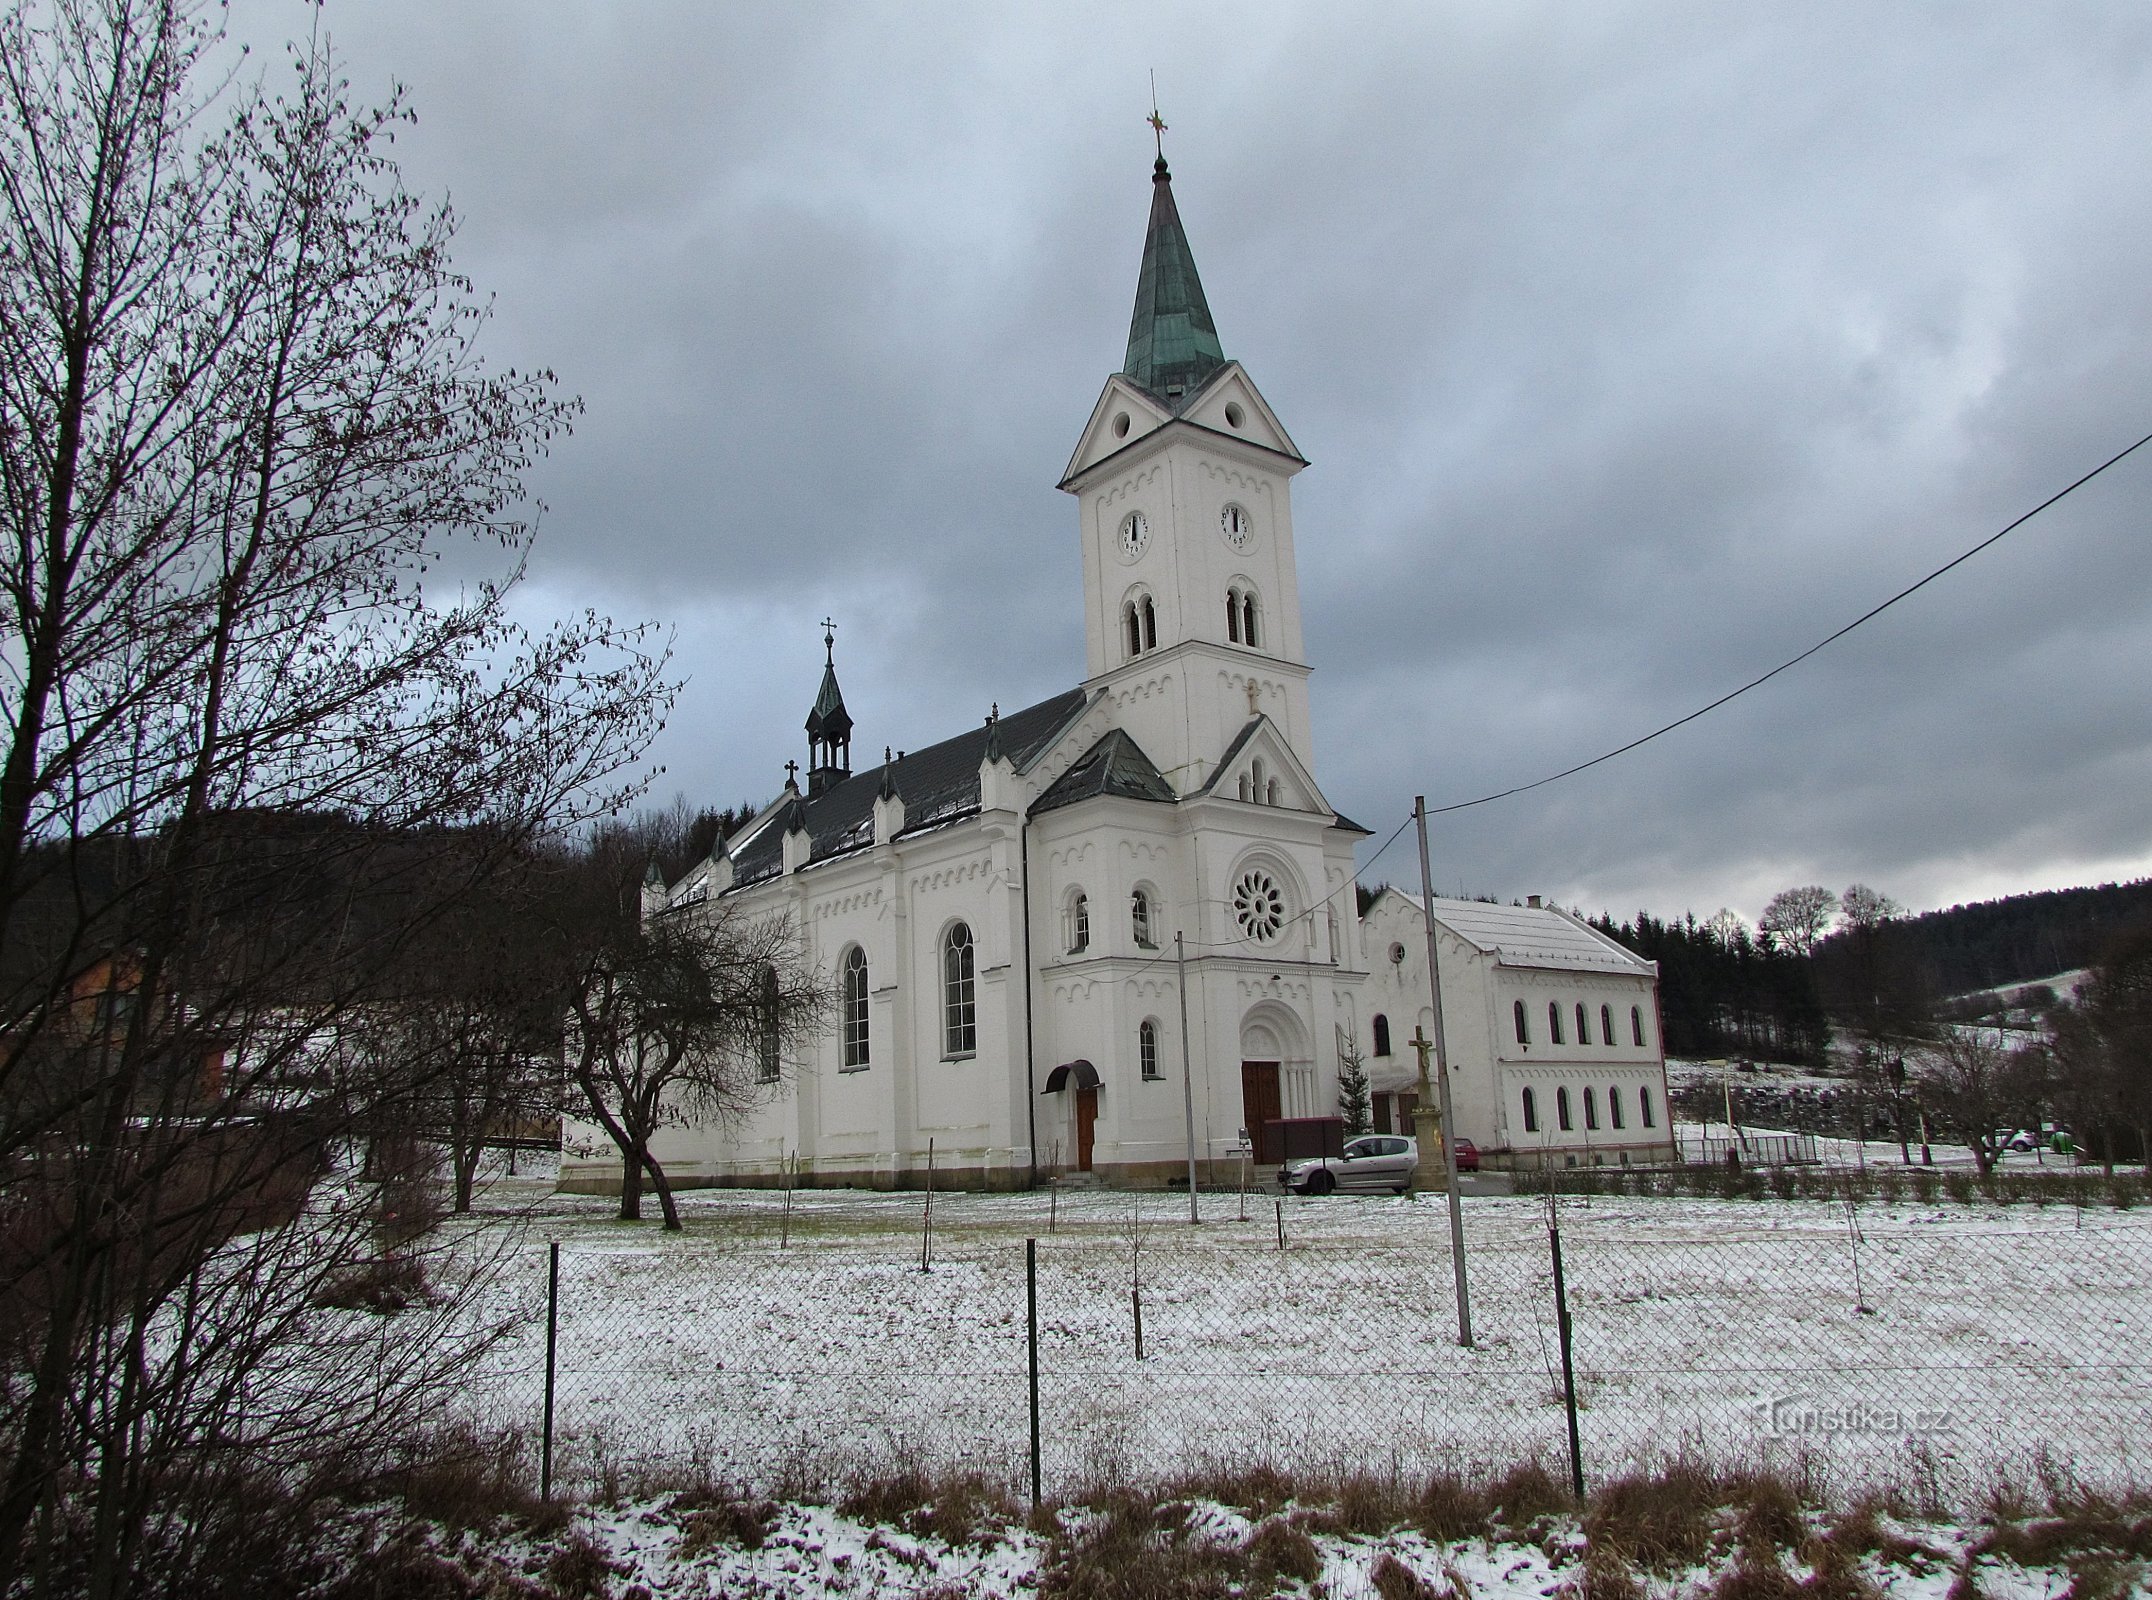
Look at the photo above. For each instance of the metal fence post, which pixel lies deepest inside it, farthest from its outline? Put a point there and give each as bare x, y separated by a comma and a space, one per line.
1569, 1371
552, 1339
1031, 1322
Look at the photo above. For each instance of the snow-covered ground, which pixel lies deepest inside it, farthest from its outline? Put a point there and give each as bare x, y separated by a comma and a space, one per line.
1930, 1345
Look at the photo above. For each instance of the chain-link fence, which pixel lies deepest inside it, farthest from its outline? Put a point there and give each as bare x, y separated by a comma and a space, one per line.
786, 1340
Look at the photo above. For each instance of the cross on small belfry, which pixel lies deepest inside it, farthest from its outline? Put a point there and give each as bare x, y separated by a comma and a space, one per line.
792, 773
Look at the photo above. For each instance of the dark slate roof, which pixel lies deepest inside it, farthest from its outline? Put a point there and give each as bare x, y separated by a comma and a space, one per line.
938, 784
829, 719
1172, 342
1116, 765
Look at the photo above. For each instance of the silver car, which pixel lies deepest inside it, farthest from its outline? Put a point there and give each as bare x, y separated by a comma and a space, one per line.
1376, 1162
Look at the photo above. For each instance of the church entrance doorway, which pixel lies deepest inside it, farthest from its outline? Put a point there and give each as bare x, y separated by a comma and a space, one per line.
1086, 1119
1260, 1107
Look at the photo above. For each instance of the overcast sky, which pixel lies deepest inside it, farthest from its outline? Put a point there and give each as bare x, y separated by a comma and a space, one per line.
1635, 347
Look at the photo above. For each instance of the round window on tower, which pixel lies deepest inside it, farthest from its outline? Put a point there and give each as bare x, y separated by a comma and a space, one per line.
1120, 425
1258, 905
1234, 416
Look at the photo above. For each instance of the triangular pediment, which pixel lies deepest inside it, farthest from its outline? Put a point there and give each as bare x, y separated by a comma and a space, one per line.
1227, 407
1232, 405
1124, 414
1259, 768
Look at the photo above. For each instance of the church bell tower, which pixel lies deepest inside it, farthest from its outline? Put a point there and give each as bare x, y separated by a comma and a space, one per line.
1183, 480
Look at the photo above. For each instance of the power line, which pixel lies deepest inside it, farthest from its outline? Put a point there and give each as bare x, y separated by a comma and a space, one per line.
1794, 661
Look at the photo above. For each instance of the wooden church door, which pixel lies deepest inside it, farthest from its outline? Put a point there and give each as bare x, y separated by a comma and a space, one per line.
1086, 1118
1259, 1107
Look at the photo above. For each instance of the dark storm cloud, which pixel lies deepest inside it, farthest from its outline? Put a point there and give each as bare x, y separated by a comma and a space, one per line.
1636, 347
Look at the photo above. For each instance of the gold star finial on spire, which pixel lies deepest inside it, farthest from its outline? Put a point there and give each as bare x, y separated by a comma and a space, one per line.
1158, 123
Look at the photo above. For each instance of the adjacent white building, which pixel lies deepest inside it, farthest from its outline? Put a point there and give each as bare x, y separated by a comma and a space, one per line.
1000, 910
1551, 1030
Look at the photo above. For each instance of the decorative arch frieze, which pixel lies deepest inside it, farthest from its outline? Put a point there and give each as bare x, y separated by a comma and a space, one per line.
950, 877
1234, 478
1133, 484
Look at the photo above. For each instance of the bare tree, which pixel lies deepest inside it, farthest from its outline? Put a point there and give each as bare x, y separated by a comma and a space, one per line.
1797, 917
689, 1016
1978, 1091
1863, 907
241, 414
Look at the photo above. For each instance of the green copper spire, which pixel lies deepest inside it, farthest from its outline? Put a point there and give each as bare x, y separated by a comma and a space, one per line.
1172, 343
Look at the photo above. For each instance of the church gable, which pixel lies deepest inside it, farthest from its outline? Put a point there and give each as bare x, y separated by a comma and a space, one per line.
1124, 414
1230, 404
1260, 768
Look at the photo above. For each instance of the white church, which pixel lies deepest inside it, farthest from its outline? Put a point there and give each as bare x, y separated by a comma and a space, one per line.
1000, 912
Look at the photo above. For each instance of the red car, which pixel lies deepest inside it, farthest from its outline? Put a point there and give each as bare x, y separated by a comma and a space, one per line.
1467, 1156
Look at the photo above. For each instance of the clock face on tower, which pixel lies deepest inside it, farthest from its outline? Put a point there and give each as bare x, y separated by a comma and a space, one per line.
1135, 534
1237, 526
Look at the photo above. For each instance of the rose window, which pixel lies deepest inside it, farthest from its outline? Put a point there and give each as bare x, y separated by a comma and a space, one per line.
1258, 905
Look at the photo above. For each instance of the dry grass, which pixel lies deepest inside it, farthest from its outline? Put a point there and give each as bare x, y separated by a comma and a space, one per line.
1663, 1521
462, 1478
1128, 1549
1448, 1508
956, 1508
1526, 1493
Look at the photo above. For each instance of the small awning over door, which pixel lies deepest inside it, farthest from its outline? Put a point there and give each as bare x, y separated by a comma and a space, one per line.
1081, 1073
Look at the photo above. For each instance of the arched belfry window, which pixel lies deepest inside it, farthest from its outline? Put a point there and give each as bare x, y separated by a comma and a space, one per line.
1243, 615
854, 1038
1141, 919
1139, 623
1079, 923
960, 1006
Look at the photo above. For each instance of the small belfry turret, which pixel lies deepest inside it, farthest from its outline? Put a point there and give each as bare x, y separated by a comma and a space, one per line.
829, 725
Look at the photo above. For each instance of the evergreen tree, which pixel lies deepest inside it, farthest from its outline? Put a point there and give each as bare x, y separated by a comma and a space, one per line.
1352, 1086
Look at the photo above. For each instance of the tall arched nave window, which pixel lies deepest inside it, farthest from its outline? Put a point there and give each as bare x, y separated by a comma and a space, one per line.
855, 1009
960, 1005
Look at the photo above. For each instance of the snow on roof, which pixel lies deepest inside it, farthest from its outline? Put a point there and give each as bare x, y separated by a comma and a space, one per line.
1527, 936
